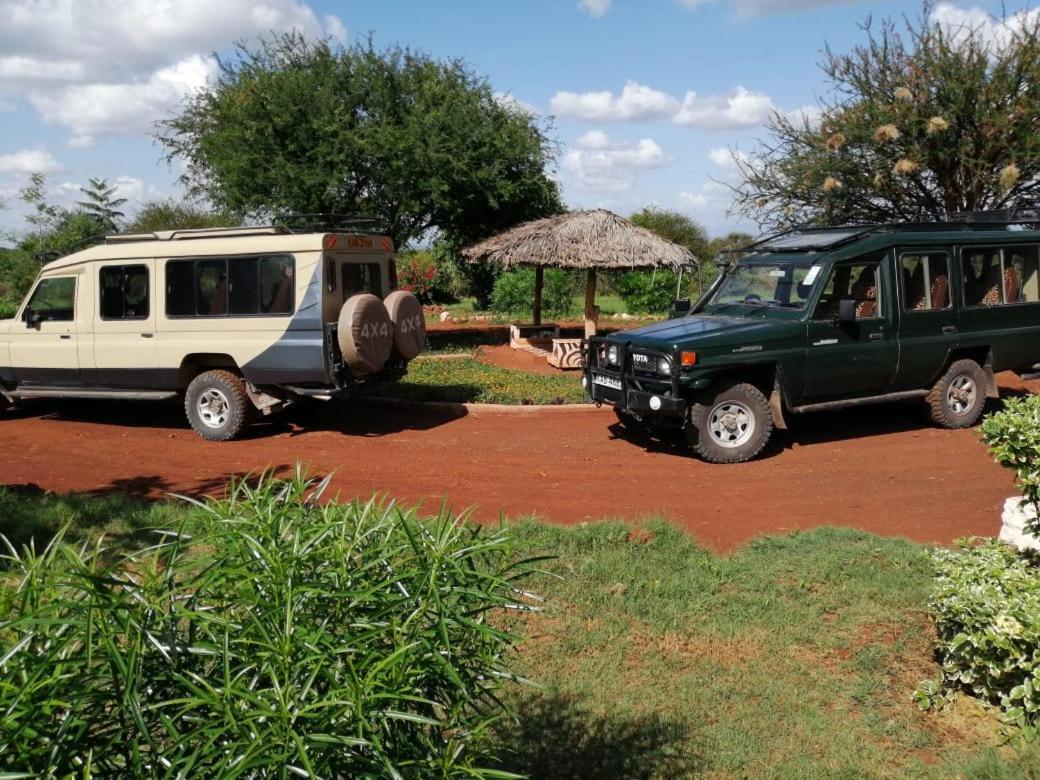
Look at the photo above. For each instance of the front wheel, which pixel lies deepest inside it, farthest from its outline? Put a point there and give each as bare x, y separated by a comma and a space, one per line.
958, 398
730, 426
218, 406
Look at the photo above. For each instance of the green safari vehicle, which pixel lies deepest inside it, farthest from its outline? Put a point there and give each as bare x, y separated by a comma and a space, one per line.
825, 318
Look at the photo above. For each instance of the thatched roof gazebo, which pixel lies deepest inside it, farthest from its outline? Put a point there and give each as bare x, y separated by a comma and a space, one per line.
588, 240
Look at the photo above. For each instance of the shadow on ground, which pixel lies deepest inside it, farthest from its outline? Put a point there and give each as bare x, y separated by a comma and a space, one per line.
557, 737
349, 418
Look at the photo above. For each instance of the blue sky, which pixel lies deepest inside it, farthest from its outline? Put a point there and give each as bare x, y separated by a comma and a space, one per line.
649, 98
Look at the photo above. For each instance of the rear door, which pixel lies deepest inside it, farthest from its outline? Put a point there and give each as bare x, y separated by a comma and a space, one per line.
927, 315
846, 360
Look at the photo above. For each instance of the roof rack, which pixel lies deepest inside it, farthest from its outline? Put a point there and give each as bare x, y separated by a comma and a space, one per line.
194, 233
331, 222
1016, 215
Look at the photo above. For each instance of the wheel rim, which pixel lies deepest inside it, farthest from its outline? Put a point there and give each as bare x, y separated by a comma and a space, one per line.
731, 424
213, 408
960, 397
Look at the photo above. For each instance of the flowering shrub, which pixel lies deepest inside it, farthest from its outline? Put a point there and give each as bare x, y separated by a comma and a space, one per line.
1013, 436
986, 607
417, 272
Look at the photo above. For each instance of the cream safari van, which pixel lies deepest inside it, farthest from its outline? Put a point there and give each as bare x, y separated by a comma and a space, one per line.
240, 321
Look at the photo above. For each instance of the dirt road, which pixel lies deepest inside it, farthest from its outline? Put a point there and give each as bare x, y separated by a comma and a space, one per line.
881, 469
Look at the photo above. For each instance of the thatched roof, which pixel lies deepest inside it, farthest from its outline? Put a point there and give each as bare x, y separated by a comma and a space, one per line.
580, 239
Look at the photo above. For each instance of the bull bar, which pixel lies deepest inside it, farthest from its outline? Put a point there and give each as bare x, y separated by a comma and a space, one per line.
637, 392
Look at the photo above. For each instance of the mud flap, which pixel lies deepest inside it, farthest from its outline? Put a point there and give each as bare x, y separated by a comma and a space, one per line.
776, 407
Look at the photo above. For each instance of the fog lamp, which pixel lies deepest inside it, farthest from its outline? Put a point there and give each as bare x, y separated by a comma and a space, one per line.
612, 355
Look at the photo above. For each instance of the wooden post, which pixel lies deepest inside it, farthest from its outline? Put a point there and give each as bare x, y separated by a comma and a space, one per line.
538, 273
591, 313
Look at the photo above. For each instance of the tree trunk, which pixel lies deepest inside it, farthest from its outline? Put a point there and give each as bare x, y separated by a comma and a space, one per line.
591, 312
538, 274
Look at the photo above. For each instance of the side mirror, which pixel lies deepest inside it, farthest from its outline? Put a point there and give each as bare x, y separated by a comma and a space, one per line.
681, 306
846, 311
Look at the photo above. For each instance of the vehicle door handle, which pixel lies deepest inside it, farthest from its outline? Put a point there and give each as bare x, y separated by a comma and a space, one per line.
66, 336
876, 336
147, 335
949, 329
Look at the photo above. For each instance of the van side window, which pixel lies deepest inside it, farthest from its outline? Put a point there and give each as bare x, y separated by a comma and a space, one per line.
860, 282
239, 286
926, 281
995, 276
54, 300
362, 277
124, 292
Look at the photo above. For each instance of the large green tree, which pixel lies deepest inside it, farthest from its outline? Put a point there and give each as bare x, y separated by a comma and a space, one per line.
922, 120
100, 202
170, 214
295, 126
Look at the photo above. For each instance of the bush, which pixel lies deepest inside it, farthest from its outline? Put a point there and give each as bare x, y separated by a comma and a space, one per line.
417, 272
986, 607
648, 292
1013, 436
8, 309
286, 637
514, 293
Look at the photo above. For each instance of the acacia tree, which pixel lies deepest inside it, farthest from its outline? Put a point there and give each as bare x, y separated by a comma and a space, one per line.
923, 121
295, 126
101, 204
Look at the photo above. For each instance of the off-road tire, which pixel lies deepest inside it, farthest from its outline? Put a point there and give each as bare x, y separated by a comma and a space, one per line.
740, 399
637, 429
232, 420
948, 393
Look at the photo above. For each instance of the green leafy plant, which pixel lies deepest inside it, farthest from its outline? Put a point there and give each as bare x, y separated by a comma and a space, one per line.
8, 309
285, 637
514, 293
986, 606
648, 292
1013, 436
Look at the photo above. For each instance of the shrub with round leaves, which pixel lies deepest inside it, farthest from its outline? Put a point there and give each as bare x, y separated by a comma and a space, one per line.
285, 637
986, 608
1013, 436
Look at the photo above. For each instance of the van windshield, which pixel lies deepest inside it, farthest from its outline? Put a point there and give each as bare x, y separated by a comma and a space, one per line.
785, 285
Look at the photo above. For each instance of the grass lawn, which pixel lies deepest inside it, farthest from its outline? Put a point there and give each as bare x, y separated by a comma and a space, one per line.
468, 380
794, 657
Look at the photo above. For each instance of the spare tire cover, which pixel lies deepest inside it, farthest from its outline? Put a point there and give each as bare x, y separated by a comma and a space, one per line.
409, 323
366, 334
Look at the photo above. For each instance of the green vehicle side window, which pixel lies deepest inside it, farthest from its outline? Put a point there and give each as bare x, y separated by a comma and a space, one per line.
995, 276
926, 281
859, 281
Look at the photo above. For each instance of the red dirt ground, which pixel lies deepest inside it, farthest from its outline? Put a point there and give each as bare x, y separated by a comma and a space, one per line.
881, 469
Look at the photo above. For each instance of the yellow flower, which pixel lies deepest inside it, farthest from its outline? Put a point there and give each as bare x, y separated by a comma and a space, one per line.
905, 167
1009, 176
937, 125
879, 181
830, 184
904, 95
762, 202
887, 133
836, 141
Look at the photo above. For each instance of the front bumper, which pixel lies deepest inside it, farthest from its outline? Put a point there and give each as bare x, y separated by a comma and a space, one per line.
638, 392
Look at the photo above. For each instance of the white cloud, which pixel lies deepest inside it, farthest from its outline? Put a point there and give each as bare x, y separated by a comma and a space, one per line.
736, 109
636, 101
601, 164
514, 104
29, 161
595, 8
747, 8
112, 67
334, 27
90, 110
962, 22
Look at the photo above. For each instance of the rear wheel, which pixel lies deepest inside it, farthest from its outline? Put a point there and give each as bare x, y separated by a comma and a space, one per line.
732, 425
958, 398
218, 406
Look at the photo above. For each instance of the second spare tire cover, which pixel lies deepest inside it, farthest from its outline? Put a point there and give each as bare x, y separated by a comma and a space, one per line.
366, 333
409, 323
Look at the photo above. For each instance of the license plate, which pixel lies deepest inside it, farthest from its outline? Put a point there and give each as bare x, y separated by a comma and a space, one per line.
606, 381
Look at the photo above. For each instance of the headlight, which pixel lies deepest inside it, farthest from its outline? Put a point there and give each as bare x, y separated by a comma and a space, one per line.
664, 366
612, 355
